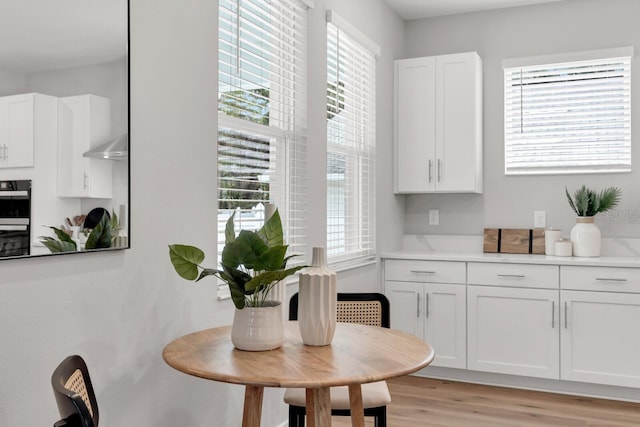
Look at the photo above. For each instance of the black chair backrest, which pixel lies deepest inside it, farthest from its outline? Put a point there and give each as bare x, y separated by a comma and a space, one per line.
74, 394
354, 308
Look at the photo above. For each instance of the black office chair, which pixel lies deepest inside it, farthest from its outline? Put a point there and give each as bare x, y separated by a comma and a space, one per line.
74, 394
364, 308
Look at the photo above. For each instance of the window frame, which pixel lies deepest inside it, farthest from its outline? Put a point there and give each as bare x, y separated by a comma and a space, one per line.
559, 129
357, 100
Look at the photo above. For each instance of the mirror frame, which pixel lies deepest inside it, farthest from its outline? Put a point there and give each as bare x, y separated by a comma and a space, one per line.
127, 94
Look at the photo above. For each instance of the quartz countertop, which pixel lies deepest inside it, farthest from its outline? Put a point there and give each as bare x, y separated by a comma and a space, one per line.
603, 261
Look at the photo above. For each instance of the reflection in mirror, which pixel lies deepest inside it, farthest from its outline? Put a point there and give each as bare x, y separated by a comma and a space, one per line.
64, 126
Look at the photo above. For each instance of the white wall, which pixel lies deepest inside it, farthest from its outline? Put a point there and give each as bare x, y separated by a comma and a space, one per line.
519, 32
119, 309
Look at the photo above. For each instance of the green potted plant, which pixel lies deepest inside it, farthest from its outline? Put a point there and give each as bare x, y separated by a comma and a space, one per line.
586, 203
253, 262
100, 237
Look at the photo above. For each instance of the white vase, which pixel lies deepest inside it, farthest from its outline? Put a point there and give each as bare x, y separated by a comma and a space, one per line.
585, 237
317, 301
258, 328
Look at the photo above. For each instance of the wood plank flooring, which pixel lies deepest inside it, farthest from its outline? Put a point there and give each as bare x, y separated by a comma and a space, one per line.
428, 402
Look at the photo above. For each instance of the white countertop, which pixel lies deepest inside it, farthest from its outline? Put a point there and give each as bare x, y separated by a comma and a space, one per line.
633, 262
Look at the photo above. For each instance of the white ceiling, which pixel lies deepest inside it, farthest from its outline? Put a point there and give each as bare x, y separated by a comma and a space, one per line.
40, 35
419, 9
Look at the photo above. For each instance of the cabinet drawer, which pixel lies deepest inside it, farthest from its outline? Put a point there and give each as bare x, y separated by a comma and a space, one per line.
608, 279
514, 275
425, 271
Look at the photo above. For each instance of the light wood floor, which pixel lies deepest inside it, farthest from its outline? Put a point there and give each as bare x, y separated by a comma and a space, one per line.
426, 402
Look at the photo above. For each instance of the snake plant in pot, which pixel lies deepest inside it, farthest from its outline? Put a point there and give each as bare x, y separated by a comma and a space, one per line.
253, 262
586, 203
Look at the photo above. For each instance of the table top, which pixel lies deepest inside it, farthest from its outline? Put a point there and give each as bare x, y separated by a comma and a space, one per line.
358, 354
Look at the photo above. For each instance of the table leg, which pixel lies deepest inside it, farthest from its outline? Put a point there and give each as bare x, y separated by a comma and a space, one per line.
252, 406
318, 404
355, 403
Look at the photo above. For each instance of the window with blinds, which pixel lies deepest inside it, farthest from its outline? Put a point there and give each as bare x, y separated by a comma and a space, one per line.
262, 115
568, 117
351, 139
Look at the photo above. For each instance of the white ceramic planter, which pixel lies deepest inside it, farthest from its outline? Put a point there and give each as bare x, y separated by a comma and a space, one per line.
585, 237
317, 301
258, 328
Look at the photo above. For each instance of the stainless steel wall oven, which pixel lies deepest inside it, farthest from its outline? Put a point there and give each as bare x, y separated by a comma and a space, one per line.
15, 218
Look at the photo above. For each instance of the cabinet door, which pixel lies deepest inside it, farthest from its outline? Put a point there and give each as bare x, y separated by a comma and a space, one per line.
445, 324
17, 131
458, 123
513, 331
83, 123
601, 338
415, 125
406, 306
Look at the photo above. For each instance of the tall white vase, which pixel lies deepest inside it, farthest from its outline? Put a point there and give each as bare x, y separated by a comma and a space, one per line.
317, 301
585, 237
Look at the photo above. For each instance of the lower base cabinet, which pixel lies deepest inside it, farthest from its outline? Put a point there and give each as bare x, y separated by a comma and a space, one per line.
601, 338
560, 322
513, 331
435, 312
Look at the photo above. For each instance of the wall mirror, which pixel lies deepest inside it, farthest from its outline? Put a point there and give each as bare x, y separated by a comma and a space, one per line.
64, 126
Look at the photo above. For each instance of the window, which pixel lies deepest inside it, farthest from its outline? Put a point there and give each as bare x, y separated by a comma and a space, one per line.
351, 139
261, 115
569, 116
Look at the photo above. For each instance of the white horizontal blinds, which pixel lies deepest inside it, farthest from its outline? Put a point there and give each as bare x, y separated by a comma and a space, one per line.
351, 138
262, 115
571, 117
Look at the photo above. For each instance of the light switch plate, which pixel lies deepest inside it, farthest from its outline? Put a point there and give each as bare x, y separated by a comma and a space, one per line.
434, 217
539, 219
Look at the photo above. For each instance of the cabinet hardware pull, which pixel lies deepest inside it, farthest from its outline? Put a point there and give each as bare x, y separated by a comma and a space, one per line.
422, 272
427, 310
438, 170
418, 306
84, 182
565, 315
430, 166
519, 276
6, 152
553, 314
607, 279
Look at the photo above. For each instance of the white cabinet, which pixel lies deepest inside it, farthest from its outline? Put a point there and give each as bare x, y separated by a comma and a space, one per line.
513, 331
601, 325
435, 312
513, 319
17, 131
438, 124
84, 123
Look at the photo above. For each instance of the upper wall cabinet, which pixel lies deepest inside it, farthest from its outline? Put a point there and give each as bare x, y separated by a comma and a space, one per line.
83, 123
438, 124
17, 131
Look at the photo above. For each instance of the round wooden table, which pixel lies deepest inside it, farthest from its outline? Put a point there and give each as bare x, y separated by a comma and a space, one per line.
358, 354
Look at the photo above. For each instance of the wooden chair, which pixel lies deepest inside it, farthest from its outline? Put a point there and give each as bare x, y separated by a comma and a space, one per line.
364, 308
74, 394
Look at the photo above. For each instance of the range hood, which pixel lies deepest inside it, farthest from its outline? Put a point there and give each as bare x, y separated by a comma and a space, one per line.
114, 149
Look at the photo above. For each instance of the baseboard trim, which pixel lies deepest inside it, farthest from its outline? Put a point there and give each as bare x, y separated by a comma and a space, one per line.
598, 391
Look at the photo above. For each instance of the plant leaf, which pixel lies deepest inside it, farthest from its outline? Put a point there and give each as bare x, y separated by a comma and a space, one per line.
271, 231
268, 277
62, 235
100, 236
609, 198
272, 259
57, 246
573, 206
229, 231
185, 260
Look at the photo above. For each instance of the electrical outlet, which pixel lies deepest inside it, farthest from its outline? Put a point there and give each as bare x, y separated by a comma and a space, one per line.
539, 219
434, 217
